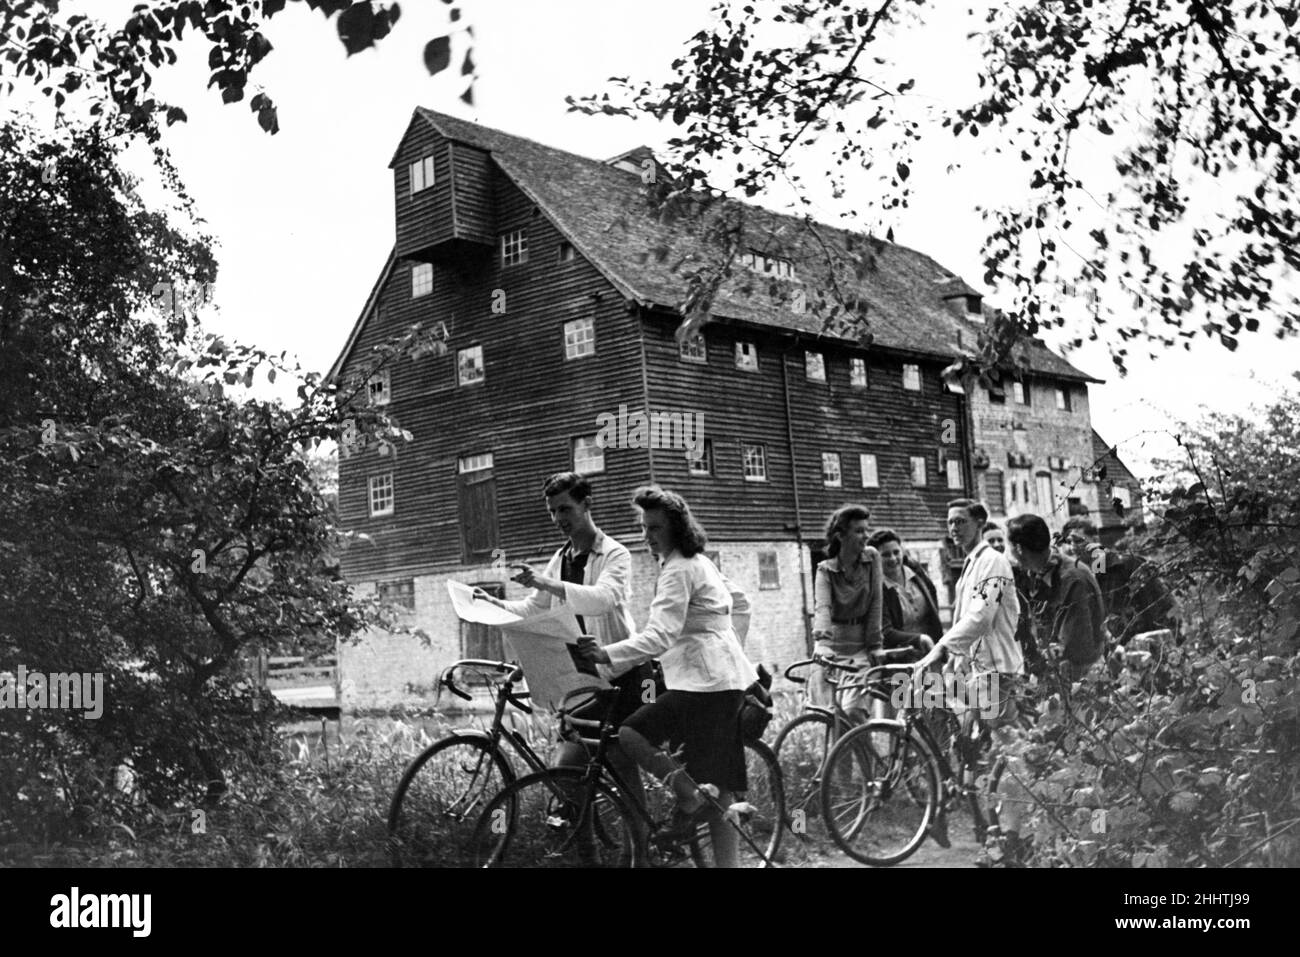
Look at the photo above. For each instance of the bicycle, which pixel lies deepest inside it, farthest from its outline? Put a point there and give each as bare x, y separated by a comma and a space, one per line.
582, 817
443, 790
885, 781
802, 744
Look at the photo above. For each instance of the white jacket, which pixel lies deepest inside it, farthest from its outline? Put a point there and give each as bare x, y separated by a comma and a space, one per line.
689, 630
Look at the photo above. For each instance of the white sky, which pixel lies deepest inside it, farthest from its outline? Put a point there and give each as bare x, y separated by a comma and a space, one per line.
304, 219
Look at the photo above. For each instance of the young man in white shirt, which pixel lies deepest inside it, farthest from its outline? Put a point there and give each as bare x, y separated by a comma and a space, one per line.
986, 611
592, 574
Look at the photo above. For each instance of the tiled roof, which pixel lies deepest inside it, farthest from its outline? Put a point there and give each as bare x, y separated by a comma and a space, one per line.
603, 211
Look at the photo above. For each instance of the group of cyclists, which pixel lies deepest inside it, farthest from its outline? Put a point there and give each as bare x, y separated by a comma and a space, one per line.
873, 601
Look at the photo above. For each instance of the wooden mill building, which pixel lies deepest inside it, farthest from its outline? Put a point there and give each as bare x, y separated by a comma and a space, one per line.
555, 286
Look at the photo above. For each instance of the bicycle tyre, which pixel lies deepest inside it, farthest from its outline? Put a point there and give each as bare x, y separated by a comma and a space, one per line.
439, 799
800, 748
559, 817
879, 792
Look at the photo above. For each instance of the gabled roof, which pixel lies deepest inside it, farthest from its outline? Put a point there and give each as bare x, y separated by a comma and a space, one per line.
602, 210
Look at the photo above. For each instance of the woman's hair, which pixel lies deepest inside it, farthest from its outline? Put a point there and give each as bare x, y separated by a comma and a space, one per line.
990, 527
841, 519
578, 486
689, 536
880, 537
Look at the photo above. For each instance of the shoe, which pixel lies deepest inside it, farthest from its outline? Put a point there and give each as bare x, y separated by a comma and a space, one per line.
687, 818
939, 831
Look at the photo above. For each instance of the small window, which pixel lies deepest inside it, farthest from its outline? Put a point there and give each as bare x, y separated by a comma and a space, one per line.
588, 457
421, 174
831, 476
693, 349
565, 254
474, 463
858, 373
747, 356
954, 473
400, 594
814, 366
773, 266
469, 366
912, 377
1121, 494
701, 464
1020, 393
997, 395
421, 279
769, 576
918, 470
379, 388
381, 495
1063, 399
579, 338
755, 462
514, 247
870, 470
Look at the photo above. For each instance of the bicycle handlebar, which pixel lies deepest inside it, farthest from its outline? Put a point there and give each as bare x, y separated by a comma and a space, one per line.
511, 670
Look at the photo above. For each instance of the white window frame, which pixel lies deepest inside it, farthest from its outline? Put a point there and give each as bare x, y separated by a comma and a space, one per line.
381, 488
832, 474
703, 464
858, 372
918, 463
479, 462
580, 338
1122, 493
686, 349
755, 468
1062, 399
869, 466
773, 266
379, 388
422, 174
814, 362
775, 566
514, 247
591, 451
1018, 392
746, 356
461, 355
912, 376
953, 467
421, 280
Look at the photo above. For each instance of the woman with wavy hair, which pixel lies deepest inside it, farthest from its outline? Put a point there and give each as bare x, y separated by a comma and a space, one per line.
847, 596
705, 670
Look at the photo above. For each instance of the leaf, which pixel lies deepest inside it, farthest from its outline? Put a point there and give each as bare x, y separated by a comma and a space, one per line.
437, 55
467, 67
904, 171
468, 96
356, 27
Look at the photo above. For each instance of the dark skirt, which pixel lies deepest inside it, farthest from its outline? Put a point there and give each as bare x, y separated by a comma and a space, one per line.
706, 725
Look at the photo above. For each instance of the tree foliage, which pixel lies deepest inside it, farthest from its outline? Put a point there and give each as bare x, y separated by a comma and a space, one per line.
1191, 230
154, 528
115, 66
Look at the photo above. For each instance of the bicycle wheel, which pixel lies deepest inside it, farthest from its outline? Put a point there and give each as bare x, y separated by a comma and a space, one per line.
761, 828
801, 749
879, 792
439, 799
560, 817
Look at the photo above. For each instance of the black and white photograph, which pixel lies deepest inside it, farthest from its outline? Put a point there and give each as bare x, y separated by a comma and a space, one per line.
825, 435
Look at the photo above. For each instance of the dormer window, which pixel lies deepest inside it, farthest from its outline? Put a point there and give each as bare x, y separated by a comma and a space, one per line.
693, 349
421, 174
773, 266
912, 377
514, 247
746, 356
858, 372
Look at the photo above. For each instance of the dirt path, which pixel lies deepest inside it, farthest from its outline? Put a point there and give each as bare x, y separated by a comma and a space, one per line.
821, 851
